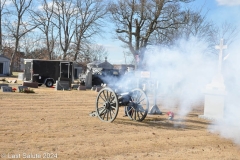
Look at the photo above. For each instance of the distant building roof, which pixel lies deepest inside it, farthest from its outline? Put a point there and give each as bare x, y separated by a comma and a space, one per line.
94, 64
100, 64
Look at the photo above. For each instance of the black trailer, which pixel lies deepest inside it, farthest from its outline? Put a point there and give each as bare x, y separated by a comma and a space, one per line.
47, 71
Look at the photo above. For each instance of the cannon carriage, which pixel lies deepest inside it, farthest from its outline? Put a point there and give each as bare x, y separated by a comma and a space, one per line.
108, 102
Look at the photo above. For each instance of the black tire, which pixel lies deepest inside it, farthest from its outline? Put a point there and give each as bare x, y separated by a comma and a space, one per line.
49, 83
107, 105
138, 107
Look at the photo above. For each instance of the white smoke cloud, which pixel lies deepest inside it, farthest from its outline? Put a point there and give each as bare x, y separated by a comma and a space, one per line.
228, 2
184, 71
229, 126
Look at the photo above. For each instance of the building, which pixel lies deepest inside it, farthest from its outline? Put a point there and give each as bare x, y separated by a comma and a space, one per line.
18, 58
4, 65
99, 64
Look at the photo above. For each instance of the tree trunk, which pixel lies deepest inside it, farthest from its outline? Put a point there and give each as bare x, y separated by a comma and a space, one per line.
13, 57
0, 32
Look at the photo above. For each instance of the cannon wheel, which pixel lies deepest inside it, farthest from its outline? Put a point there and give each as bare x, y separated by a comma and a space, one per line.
138, 107
107, 105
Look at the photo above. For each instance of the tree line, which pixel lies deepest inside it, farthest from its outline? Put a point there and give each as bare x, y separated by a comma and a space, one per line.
66, 29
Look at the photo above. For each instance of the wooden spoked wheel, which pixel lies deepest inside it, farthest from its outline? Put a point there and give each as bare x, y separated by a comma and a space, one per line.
107, 105
137, 108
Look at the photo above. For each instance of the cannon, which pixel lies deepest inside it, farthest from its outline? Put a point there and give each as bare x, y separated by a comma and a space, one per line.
108, 102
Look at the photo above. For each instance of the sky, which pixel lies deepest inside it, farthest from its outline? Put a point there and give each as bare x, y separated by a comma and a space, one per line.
219, 11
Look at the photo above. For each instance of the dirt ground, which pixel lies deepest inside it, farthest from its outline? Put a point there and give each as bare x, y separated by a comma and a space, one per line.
56, 125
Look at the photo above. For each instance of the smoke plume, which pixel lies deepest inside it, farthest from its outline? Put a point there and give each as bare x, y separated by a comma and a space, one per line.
183, 71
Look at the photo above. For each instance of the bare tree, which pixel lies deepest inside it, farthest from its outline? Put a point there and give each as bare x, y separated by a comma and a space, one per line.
89, 22
227, 31
137, 21
196, 24
33, 47
44, 19
65, 14
19, 26
98, 52
2, 5
92, 52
